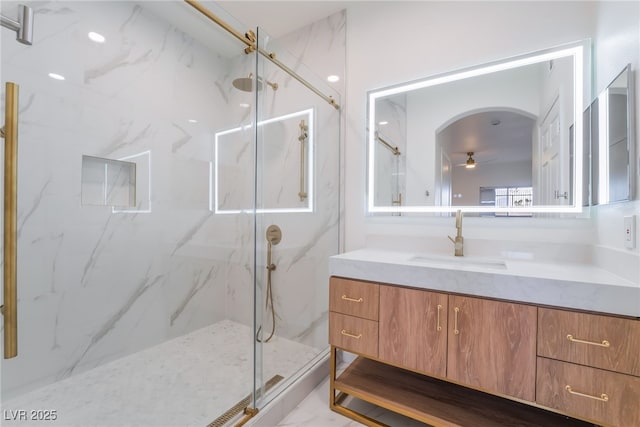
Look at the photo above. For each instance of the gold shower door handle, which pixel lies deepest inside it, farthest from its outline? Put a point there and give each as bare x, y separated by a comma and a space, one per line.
10, 298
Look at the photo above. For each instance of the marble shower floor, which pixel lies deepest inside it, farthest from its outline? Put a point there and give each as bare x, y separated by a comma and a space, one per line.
187, 381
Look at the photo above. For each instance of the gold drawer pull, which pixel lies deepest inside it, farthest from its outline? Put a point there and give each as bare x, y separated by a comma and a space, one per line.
603, 397
346, 298
438, 327
604, 343
349, 334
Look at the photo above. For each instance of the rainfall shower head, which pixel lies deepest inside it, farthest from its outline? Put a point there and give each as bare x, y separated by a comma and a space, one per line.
245, 84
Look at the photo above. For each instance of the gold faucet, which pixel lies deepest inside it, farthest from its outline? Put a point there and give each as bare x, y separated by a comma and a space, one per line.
458, 242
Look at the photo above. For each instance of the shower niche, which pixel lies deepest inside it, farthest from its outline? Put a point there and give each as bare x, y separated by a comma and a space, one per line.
123, 184
107, 182
285, 163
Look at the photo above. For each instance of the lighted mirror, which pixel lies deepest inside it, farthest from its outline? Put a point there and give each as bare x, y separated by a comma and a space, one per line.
285, 163
496, 139
611, 121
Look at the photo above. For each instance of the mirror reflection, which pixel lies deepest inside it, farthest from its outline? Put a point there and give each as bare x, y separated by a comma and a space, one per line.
610, 141
496, 139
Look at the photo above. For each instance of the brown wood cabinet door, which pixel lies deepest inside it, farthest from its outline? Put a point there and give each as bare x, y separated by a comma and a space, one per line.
605, 342
492, 346
412, 329
594, 394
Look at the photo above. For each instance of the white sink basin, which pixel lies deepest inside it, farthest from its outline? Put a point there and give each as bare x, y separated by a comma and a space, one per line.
461, 261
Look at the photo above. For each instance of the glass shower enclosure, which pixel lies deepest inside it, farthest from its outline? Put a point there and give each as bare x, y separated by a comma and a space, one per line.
177, 202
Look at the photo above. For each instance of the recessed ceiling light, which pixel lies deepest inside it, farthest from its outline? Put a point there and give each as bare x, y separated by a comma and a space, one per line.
384, 122
98, 38
56, 76
192, 121
245, 105
333, 78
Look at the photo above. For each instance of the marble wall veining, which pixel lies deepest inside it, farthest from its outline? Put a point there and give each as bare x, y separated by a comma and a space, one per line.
301, 258
97, 284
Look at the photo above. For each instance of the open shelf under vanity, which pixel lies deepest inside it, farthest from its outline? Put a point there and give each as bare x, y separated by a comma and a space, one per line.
433, 401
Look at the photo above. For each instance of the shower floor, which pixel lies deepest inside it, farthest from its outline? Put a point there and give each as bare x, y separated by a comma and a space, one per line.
187, 381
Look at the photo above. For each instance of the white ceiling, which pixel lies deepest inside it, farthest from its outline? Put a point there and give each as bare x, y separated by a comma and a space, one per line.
508, 141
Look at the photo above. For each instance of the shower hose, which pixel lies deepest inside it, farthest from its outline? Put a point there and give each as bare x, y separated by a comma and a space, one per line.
269, 306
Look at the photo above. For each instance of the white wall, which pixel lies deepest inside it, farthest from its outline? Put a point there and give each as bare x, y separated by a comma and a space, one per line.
418, 39
617, 44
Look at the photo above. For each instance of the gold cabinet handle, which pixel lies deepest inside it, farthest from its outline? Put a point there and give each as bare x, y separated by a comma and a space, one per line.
455, 321
604, 343
346, 298
10, 135
603, 397
438, 327
349, 334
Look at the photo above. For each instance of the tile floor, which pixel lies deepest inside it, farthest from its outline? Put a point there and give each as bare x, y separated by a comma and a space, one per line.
314, 411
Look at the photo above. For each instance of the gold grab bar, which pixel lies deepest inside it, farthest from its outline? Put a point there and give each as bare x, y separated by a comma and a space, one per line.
10, 134
346, 298
603, 397
393, 149
249, 39
302, 138
604, 343
349, 334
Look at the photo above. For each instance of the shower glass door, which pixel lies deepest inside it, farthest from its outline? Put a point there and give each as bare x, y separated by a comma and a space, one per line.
297, 219
135, 219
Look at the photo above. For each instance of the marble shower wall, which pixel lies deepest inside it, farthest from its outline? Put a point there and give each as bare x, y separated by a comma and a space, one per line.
97, 284
300, 281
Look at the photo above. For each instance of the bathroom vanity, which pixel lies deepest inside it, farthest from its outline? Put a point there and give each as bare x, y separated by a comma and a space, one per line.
483, 342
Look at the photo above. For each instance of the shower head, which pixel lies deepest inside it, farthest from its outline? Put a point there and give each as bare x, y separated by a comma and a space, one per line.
245, 84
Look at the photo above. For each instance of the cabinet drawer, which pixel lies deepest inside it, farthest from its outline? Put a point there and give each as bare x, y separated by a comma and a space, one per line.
354, 334
579, 391
354, 298
589, 339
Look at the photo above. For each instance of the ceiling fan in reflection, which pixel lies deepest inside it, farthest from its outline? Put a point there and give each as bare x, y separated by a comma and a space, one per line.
471, 162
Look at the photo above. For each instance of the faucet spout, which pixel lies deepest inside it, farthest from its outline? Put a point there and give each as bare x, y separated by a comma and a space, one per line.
458, 242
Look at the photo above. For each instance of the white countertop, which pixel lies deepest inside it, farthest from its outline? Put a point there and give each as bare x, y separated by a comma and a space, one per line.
578, 286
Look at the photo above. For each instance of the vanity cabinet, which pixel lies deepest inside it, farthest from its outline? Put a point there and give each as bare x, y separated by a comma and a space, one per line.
353, 316
589, 366
413, 329
453, 360
492, 346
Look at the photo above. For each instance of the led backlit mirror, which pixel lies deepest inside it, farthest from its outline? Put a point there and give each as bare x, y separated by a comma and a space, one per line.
497, 139
285, 163
611, 141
